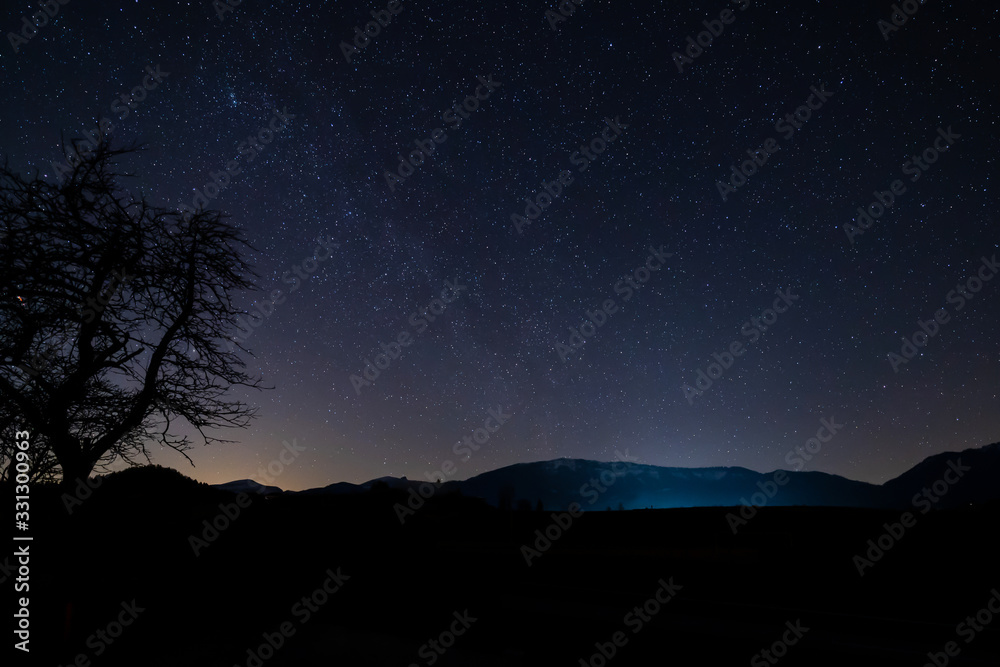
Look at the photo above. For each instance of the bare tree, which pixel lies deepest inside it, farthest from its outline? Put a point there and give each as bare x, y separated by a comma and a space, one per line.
113, 319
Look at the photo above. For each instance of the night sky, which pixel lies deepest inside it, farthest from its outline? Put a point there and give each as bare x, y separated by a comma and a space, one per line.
547, 97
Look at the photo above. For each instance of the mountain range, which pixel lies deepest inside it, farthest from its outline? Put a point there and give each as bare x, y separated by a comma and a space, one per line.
946, 480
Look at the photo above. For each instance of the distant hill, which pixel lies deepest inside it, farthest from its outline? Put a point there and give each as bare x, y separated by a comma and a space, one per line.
338, 488
346, 488
248, 486
597, 485
977, 485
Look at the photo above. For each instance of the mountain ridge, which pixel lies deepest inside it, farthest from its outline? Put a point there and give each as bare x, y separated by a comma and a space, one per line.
557, 483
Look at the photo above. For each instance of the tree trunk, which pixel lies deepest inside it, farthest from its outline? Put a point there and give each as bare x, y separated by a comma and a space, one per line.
74, 463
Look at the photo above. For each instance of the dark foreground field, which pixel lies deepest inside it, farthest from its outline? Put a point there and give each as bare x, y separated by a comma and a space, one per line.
457, 565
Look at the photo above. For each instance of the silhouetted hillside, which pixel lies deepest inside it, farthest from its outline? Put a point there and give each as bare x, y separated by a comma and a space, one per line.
960, 487
599, 485
248, 486
541, 596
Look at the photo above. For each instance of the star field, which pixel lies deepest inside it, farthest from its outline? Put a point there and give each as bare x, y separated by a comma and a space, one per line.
655, 185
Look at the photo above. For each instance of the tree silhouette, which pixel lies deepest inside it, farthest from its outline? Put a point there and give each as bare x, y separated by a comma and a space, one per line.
112, 319
505, 497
